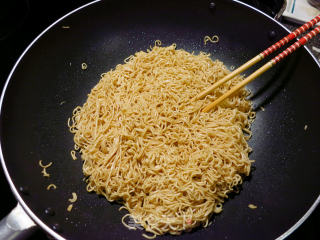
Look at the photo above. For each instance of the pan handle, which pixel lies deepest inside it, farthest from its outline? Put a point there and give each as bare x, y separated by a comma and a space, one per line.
281, 11
16, 225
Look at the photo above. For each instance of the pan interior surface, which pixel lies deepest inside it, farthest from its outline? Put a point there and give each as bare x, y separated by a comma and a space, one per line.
48, 83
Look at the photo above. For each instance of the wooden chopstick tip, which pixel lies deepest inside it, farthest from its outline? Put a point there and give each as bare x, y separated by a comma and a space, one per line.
207, 108
204, 110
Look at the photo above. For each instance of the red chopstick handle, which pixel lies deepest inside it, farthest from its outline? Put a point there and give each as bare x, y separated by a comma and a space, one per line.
302, 41
291, 36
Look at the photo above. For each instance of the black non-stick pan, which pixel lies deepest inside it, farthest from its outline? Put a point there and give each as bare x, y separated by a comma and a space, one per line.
47, 83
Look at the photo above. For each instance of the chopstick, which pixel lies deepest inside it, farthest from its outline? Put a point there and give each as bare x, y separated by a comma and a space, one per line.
302, 41
261, 56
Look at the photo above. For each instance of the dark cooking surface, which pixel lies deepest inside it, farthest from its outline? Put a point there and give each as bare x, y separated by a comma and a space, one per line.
13, 44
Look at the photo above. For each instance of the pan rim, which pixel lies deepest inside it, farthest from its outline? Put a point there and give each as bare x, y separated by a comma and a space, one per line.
25, 207
317, 201
33, 216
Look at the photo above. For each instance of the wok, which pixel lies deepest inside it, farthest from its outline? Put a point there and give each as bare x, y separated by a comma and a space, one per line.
47, 83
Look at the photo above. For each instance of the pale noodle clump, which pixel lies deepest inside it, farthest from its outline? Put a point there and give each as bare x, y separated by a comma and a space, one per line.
145, 143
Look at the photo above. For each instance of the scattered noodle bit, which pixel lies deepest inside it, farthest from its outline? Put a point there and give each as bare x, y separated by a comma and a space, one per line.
144, 143
84, 66
73, 154
157, 43
149, 237
305, 127
69, 208
252, 206
44, 166
44, 170
213, 39
63, 102
232, 68
206, 39
65, 27
74, 198
44, 173
51, 186
262, 109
